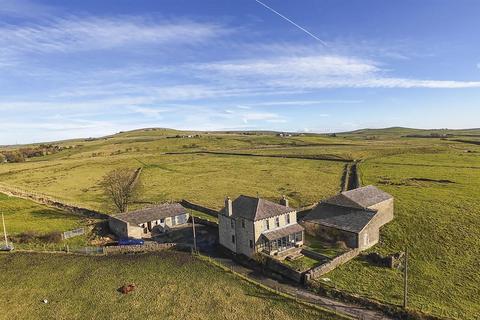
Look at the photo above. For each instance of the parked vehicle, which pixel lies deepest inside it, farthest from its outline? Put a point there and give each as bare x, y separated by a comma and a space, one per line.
130, 242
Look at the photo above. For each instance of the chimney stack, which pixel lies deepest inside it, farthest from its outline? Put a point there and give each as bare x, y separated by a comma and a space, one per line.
284, 201
228, 207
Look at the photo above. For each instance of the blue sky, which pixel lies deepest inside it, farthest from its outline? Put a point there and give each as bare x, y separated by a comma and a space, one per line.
89, 68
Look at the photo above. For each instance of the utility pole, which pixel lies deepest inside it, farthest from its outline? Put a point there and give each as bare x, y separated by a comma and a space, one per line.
4, 231
405, 280
194, 235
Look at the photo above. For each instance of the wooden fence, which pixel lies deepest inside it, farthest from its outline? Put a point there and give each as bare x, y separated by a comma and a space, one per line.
73, 233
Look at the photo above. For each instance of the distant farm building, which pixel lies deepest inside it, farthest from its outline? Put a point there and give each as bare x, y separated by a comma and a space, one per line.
142, 223
354, 217
248, 225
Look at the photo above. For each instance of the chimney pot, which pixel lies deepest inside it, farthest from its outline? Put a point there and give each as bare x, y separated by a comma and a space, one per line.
284, 201
228, 207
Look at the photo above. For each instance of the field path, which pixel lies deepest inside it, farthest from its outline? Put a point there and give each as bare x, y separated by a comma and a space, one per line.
351, 310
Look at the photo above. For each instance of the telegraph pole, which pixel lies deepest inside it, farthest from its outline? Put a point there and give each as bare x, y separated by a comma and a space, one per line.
194, 235
4, 231
405, 280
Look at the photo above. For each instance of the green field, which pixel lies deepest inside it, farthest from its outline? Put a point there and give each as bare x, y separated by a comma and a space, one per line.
169, 286
435, 181
438, 222
204, 179
26, 216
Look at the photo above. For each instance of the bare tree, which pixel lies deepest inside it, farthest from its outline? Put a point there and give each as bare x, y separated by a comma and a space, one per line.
122, 186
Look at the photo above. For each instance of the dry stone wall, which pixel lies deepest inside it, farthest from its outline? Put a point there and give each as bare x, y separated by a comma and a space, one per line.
48, 201
329, 266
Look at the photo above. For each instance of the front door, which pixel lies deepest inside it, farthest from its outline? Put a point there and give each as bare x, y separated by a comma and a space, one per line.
365, 239
149, 225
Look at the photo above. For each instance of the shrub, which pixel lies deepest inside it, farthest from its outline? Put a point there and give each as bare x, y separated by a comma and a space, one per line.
32, 236
53, 237
25, 237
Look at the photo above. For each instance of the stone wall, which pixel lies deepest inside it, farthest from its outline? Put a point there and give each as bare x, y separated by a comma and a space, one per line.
319, 271
245, 235
370, 235
314, 255
330, 234
394, 311
123, 229
283, 156
283, 270
118, 227
205, 222
197, 207
48, 201
151, 247
226, 232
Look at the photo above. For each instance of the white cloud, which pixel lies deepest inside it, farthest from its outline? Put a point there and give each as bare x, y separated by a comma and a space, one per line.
24, 8
294, 67
150, 111
318, 72
256, 116
277, 120
305, 102
88, 33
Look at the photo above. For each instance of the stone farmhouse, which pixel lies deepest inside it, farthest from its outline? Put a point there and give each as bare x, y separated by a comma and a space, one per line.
354, 217
142, 223
248, 225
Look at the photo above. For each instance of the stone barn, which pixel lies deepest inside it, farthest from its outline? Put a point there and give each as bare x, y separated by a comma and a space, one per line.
354, 217
142, 223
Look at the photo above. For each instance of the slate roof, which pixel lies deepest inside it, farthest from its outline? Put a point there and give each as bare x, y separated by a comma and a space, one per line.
360, 198
256, 209
341, 217
282, 232
151, 214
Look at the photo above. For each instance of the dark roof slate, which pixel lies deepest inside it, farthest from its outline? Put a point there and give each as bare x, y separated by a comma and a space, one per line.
340, 217
282, 232
359, 198
153, 213
256, 209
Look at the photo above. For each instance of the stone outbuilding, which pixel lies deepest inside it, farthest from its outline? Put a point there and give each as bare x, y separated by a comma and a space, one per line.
248, 225
354, 217
142, 223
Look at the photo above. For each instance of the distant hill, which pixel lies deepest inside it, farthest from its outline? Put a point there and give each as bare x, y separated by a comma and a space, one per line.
153, 133
412, 132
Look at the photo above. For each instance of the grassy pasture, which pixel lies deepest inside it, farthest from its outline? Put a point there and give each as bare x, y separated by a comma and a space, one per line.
27, 216
435, 182
437, 218
205, 179
24, 215
169, 286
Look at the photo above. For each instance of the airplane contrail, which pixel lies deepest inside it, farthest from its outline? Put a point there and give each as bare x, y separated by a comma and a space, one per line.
296, 25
